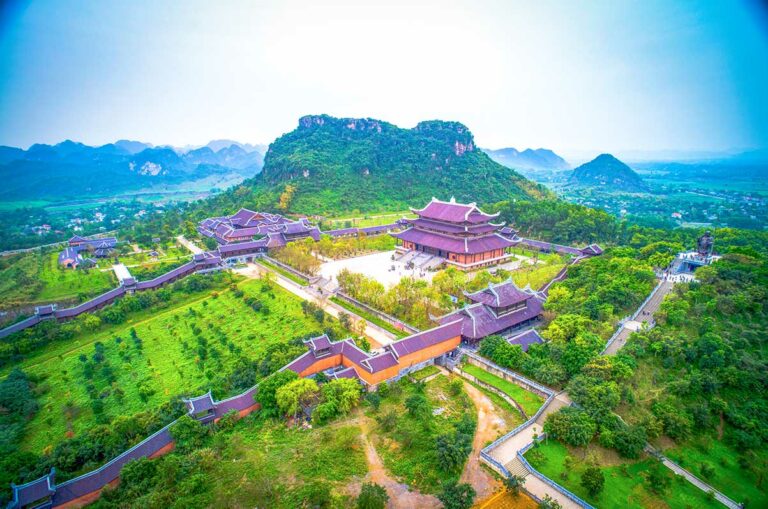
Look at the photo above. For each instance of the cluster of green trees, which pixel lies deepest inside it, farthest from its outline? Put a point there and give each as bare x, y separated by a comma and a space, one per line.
586, 306
705, 357
285, 394
707, 354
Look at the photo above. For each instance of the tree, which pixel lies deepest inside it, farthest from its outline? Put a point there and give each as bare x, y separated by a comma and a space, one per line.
593, 480
549, 503
457, 496
452, 450
372, 496
513, 483
417, 405
571, 425
267, 393
291, 396
188, 433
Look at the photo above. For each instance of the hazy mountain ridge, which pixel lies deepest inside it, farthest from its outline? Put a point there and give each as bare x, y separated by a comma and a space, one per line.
528, 159
69, 168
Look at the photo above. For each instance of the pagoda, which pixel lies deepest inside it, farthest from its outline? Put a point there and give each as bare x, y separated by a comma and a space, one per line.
501, 308
460, 233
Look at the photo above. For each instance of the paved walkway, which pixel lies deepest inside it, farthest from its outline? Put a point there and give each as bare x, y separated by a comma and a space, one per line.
189, 244
377, 336
645, 316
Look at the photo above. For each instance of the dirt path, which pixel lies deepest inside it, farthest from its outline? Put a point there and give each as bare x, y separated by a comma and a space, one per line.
400, 497
489, 424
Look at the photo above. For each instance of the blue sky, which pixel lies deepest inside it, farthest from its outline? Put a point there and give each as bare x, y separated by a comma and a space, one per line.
577, 77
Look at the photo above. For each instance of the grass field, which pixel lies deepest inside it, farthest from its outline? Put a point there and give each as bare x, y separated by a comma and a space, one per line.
408, 449
182, 349
626, 485
511, 415
727, 475
35, 277
529, 401
266, 464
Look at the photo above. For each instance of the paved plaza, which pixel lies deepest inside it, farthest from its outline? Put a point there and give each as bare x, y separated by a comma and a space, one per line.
378, 266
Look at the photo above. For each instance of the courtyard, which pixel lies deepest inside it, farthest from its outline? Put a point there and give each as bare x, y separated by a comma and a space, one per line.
379, 266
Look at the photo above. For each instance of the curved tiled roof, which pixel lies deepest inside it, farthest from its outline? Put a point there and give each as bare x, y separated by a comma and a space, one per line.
453, 212
500, 295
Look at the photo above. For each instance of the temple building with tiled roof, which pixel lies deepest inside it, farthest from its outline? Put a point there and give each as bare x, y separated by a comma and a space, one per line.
343, 359
498, 309
249, 226
72, 256
460, 233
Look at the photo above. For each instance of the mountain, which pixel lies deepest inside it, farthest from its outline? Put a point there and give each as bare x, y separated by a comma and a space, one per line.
528, 159
609, 173
73, 170
218, 145
363, 164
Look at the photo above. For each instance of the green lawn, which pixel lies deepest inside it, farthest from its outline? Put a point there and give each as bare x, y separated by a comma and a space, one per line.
626, 485
529, 401
737, 483
184, 349
408, 449
511, 415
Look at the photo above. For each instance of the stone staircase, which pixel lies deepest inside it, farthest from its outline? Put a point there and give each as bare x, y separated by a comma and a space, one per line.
516, 467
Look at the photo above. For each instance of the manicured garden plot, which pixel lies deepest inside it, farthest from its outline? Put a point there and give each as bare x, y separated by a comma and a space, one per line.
407, 440
628, 484
529, 401
184, 350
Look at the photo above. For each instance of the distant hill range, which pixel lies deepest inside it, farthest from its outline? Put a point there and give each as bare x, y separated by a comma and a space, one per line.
528, 159
608, 173
363, 164
74, 170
